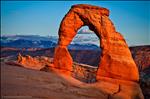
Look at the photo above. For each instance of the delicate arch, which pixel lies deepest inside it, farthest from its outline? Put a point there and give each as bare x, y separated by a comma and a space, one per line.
116, 60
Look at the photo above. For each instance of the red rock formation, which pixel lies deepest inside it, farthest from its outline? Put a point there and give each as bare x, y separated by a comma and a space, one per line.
116, 60
33, 62
62, 60
141, 56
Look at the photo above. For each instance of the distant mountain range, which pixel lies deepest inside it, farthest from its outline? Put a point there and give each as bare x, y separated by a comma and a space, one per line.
83, 42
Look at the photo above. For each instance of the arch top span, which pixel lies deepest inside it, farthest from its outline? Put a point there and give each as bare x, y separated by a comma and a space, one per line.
101, 10
81, 15
116, 60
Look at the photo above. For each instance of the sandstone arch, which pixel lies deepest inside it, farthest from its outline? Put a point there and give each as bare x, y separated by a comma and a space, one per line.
116, 60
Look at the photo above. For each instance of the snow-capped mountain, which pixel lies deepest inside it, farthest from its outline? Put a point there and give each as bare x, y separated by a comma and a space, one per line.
80, 41
86, 39
28, 41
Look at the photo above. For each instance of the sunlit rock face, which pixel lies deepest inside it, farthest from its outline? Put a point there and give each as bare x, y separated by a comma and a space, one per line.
36, 63
116, 60
84, 73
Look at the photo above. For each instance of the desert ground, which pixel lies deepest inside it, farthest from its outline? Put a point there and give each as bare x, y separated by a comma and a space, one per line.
22, 83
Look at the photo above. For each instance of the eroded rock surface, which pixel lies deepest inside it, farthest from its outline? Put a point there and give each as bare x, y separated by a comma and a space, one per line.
116, 60
84, 73
21, 83
36, 63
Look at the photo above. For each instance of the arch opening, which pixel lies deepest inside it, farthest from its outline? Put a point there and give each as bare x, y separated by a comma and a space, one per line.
85, 47
86, 52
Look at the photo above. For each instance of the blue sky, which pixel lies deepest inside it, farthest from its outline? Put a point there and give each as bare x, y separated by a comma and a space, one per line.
131, 18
